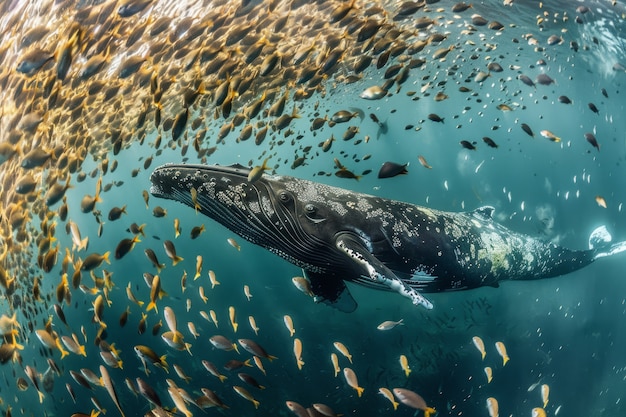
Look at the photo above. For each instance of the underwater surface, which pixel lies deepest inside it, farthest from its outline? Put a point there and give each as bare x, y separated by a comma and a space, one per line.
512, 104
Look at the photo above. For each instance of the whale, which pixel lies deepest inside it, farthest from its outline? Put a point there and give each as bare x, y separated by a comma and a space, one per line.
336, 235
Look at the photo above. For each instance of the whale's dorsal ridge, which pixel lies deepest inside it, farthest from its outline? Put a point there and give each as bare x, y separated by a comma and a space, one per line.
485, 212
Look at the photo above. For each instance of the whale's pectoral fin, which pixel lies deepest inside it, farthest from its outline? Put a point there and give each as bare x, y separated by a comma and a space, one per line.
331, 290
376, 271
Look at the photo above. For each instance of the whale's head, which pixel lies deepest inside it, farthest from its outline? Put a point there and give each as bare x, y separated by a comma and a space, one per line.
291, 217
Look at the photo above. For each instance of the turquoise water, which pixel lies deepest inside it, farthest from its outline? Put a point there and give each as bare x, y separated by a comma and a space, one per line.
552, 329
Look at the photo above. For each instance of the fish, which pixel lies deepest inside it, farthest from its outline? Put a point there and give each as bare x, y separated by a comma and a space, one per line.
178, 400
374, 92
413, 400
343, 172
352, 381
544, 79
181, 373
246, 292
423, 162
335, 361
153, 259
435, 118
488, 373
199, 261
213, 279
31, 373
233, 321
197, 231
257, 172
254, 348
404, 363
232, 242
209, 366
170, 250
245, 394
502, 352
539, 412
591, 138
94, 260
176, 228
155, 293
389, 324
468, 145
343, 350
222, 343
108, 384
389, 396
73, 346
564, 100
528, 130
125, 246
289, 324
392, 169
549, 135
297, 409
147, 355
601, 201
303, 285
492, 407
480, 345
489, 142
297, 352
116, 212
343, 116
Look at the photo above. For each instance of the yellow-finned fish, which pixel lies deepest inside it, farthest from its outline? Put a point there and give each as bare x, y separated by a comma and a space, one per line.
289, 324
502, 351
389, 396
297, 351
155, 293
246, 292
146, 354
170, 251
352, 380
253, 325
489, 374
539, 412
213, 279
492, 407
245, 394
335, 361
108, 384
413, 400
204, 298
343, 350
198, 267
404, 363
233, 318
480, 345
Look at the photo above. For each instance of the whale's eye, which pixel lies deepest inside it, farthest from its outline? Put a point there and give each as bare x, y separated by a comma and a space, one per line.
284, 196
310, 209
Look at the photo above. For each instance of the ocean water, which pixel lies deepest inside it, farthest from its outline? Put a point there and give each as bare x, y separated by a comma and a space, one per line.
565, 332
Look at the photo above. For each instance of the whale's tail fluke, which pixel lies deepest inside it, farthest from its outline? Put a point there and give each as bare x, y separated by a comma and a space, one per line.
600, 242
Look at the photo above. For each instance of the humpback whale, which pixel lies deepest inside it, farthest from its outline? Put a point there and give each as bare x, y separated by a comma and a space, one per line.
337, 235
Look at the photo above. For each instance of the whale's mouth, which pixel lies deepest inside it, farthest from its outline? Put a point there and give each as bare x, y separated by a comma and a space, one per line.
224, 194
252, 210
170, 179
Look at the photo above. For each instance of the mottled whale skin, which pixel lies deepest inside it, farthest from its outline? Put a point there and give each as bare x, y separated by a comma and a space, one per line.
338, 235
